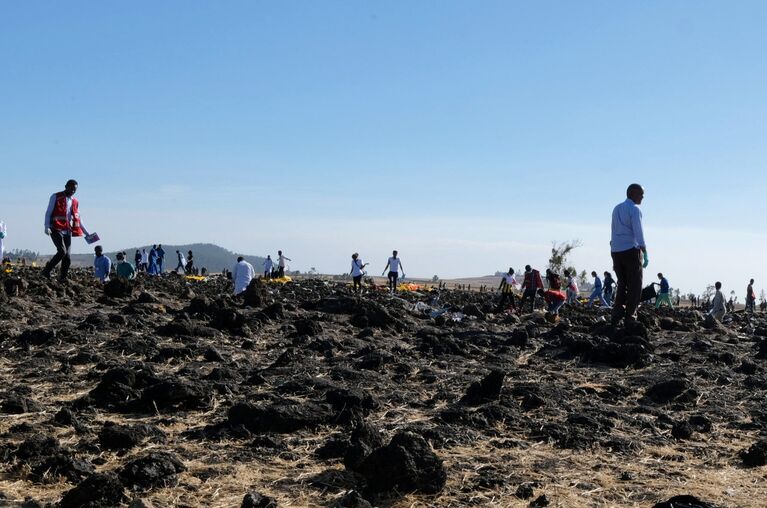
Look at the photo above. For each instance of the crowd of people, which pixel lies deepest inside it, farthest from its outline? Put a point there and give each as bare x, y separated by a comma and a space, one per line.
620, 295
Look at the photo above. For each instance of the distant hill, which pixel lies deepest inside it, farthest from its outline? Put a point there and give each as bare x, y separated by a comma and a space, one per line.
207, 255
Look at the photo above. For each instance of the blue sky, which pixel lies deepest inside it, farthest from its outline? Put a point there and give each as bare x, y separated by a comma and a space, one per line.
466, 134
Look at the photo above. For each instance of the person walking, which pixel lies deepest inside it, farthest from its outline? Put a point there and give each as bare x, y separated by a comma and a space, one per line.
394, 265
718, 305
152, 267
609, 285
102, 265
356, 272
507, 286
181, 261
629, 254
663, 295
268, 265
531, 283
242, 273
281, 264
596, 293
572, 288
62, 222
160, 258
750, 297
137, 260
144, 261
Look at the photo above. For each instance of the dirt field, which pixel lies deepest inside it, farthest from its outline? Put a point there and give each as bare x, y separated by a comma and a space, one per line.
178, 394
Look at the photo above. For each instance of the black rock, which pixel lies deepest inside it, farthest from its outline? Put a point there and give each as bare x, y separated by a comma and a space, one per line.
684, 502
124, 437
284, 416
540, 502
406, 464
524, 491
756, 455
364, 440
666, 391
352, 499
256, 500
101, 490
682, 430
157, 469
487, 390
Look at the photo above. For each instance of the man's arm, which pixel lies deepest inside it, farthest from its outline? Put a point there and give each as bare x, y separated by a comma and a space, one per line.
636, 225
49, 211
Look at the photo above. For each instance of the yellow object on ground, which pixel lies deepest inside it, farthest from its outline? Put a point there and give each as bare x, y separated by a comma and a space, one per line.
195, 277
409, 287
279, 280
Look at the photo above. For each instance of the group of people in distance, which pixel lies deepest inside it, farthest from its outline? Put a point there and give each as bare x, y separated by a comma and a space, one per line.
627, 249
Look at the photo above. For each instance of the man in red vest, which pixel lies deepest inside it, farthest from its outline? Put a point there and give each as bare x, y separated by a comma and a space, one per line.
62, 222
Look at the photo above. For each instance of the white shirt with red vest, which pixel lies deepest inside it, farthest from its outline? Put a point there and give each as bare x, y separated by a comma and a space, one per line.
52, 205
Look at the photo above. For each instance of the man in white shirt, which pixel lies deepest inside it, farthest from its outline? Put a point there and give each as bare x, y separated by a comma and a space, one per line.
281, 264
242, 273
268, 265
394, 265
62, 222
356, 272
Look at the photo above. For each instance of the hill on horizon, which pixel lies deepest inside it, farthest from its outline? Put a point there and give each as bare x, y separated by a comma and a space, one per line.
207, 255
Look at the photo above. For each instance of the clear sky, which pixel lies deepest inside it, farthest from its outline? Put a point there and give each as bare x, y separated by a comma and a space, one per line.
467, 135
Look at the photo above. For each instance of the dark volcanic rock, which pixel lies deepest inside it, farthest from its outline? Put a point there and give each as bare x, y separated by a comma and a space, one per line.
157, 469
353, 499
756, 455
364, 440
118, 287
666, 391
101, 490
684, 502
123, 437
283, 416
487, 390
406, 464
256, 500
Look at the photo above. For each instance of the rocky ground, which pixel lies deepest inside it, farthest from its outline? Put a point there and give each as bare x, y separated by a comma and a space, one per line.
174, 393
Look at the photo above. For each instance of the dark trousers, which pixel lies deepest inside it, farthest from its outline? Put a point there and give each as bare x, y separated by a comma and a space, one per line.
628, 267
528, 293
63, 243
507, 296
281, 272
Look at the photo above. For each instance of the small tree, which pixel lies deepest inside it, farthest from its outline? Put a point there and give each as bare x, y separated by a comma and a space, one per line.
559, 254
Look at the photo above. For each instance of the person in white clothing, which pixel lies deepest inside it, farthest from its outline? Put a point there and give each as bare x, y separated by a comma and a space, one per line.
242, 273
268, 265
718, 307
394, 265
357, 271
281, 264
3, 232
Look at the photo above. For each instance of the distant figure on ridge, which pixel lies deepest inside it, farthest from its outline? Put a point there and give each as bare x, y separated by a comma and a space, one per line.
750, 297
356, 272
152, 269
507, 286
181, 261
144, 261
663, 294
572, 288
189, 268
393, 265
629, 253
281, 264
242, 273
160, 258
62, 222
268, 266
102, 265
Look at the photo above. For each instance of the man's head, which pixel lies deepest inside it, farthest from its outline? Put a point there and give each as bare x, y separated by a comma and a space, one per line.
660, 275
566, 272
527, 268
751, 281
279, 252
268, 256
607, 274
120, 256
593, 274
511, 271
154, 247
635, 193
718, 285
355, 255
240, 259
70, 188
98, 250
394, 253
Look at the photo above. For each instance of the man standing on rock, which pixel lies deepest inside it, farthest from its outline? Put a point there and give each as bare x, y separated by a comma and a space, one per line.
281, 264
181, 261
663, 296
718, 307
750, 297
242, 273
62, 222
507, 286
393, 265
160, 258
629, 253
531, 283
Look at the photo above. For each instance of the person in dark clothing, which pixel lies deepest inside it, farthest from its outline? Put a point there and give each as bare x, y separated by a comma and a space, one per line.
609, 284
160, 258
137, 258
750, 297
189, 268
629, 254
530, 285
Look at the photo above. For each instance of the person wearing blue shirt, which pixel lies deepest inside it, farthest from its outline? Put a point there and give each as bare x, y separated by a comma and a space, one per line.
596, 293
160, 258
102, 265
629, 253
663, 295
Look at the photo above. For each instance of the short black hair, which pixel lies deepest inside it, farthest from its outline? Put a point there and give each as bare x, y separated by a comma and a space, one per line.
718, 285
631, 188
70, 182
240, 259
